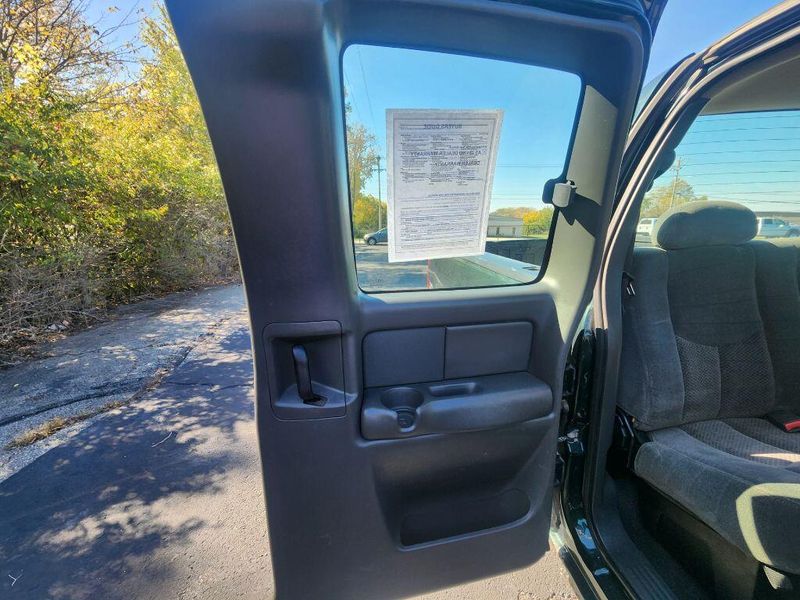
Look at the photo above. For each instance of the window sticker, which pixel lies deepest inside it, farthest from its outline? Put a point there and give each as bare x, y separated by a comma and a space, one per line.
440, 169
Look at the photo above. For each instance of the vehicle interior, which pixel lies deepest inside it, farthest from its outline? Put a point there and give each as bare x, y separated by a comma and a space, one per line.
704, 469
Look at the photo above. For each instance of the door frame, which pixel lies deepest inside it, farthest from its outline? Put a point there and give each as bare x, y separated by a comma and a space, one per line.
657, 124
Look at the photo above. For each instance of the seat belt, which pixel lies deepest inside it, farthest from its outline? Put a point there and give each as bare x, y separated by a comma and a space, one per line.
785, 420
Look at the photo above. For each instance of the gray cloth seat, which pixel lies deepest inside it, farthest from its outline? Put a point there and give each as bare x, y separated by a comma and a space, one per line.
711, 345
728, 474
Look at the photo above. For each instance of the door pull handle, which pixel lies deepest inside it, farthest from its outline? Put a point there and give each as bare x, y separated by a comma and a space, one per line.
302, 375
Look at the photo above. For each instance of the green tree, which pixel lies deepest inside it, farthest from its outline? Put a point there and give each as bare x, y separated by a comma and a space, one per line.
362, 154
365, 214
108, 187
159, 173
52, 41
537, 222
514, 211
660, 199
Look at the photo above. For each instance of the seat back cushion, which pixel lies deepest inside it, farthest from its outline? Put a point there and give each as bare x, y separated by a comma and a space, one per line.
722, 346
694, 345
651, 379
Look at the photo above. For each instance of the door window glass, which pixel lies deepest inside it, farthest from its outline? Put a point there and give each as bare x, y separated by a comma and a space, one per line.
750, 158
537, 110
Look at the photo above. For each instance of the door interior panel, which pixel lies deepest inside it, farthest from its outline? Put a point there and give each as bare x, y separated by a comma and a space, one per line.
407, 439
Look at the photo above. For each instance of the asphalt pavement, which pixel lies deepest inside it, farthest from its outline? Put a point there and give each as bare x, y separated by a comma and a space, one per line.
376, 273
162, 496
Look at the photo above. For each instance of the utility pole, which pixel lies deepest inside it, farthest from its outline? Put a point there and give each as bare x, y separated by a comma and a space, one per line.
677, 169
380, 202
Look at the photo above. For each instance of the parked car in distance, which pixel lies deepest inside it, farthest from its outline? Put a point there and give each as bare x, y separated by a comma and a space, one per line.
645, 226
377, 237
769, 227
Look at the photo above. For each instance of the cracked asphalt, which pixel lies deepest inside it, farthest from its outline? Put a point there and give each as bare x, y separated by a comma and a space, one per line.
117, 356
162, 497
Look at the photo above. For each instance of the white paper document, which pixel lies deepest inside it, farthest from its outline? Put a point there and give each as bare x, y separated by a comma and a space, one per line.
440, 170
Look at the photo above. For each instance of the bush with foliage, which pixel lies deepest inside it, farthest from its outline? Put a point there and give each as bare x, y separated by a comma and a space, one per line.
108, 186
369, 215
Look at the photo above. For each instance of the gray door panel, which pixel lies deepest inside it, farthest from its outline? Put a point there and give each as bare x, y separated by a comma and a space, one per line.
453, 482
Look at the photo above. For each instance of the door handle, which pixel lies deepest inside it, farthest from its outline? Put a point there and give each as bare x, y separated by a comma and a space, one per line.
302, 374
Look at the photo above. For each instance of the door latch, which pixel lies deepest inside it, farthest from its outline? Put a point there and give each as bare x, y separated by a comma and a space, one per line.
302, 375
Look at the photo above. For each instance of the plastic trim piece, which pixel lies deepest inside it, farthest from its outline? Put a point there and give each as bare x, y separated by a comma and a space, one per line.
454, 406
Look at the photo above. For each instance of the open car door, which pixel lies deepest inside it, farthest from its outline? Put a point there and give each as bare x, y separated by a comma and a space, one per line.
407, 438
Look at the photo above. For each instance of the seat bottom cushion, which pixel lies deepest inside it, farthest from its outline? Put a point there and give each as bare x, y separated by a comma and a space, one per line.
740, 476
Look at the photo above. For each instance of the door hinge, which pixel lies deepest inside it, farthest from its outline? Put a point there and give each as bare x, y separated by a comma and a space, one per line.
577, 382
558, 478
573, 442
570, 380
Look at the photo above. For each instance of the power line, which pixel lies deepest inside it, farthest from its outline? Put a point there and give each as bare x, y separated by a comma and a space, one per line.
528, 166
714, 118
778, 128
786, 202
743, 162
746, 182
740, 172
353, 99
366, 88
739, 151
513, 196
531, 165
796, 192
738, 141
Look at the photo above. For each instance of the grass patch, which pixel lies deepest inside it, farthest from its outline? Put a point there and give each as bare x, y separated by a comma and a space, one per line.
56, 424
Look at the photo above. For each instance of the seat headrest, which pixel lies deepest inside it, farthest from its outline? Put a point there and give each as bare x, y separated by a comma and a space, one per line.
705, 223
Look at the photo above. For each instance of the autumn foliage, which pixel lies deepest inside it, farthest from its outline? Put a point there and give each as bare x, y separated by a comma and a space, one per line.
108, 186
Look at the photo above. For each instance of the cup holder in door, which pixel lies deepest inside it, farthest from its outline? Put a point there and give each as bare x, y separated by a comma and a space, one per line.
404, 401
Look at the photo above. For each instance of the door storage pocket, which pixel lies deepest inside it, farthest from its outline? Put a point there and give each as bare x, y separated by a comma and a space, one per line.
452, 519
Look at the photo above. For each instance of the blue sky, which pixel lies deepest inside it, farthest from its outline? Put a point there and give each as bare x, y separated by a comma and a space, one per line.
690, 25
753, 159
540, 104
108, 13
539, 108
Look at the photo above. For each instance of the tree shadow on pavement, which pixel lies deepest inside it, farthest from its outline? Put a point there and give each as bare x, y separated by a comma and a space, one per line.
91, 514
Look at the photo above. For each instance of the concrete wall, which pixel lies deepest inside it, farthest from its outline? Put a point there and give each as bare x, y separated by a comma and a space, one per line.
504, 231
530, 250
